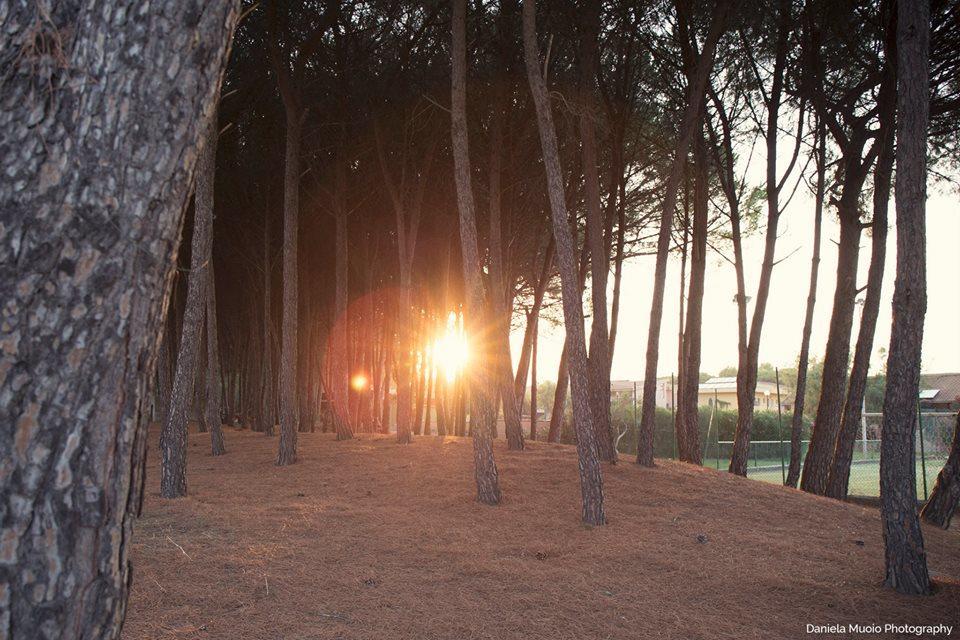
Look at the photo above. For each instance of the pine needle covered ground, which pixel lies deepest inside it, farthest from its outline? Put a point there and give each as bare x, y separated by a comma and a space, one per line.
369, 539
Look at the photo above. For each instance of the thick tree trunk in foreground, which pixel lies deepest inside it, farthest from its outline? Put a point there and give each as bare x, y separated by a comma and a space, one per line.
796, 421
287, 450
591, 480
906, 562
688, 128
482, 383
95, 182
206, 173
945, 497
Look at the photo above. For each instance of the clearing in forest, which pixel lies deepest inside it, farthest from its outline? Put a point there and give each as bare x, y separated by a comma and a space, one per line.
369, 539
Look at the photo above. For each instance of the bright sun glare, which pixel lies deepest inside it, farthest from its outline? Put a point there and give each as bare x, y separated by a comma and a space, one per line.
359, 382
451, 350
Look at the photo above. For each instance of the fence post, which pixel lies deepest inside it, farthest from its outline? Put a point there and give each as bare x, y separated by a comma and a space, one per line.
863, 427
673, 416
923, 453
716, 399
783, 471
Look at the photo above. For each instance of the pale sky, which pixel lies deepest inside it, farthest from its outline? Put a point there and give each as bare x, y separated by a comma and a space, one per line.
780, 342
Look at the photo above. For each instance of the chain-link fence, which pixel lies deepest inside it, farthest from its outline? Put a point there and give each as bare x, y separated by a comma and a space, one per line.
769, 453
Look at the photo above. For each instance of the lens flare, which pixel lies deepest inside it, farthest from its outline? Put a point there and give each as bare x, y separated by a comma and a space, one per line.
359, 382
452, 351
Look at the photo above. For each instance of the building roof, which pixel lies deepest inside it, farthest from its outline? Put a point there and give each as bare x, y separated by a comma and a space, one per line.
719, 384
941, 387
729, 385
627, 385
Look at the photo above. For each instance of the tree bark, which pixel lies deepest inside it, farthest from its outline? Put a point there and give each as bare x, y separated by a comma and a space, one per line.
839, 475
816, 467
563, 371
533, 380
92, 200
498, 289
520, 382
688, 127
591, 479
559, 397
599, 358
749, 356
945, 497
173, 435
214, 382
164, 377
206, 174
690, 386
339, 387
267, 403
482, 383
390, 341
906, 562
796, 421
287, 450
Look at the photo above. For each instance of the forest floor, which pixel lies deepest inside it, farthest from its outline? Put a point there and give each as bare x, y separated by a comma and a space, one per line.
368, 539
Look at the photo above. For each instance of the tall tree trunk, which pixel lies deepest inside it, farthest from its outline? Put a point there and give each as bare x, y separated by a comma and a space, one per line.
164, 377
267, 404
195, 407
498, 289
563, 377
533, 380
482, 383
559, 397
945, 497
690, 386
339, 387
906, 563
173, 436
796, 421
839, 474
523, 366
599, 358
388, 365
816, 467
206, 174
591, 480
618, 262
94, 194
688, 128
214, 383
431, 386
749, 357
679, 428
404, 367
287, 450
